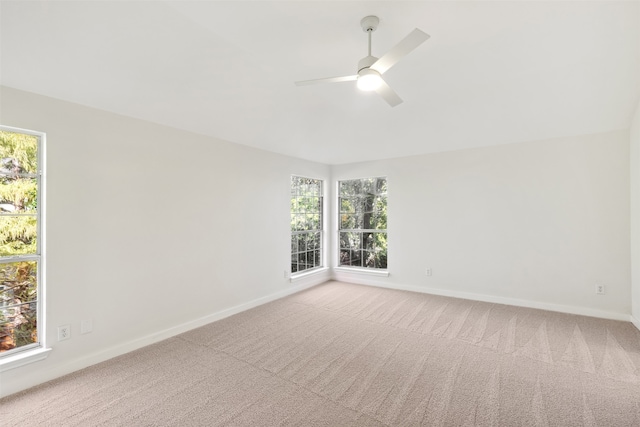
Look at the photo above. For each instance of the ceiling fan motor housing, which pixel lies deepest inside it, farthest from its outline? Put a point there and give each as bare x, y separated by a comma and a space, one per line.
366, 62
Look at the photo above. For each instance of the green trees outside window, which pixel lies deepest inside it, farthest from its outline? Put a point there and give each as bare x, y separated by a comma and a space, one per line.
363, 222
19, 246
306, 223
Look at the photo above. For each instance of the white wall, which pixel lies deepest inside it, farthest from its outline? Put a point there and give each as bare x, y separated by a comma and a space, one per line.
535, 224
151, 230
635, 216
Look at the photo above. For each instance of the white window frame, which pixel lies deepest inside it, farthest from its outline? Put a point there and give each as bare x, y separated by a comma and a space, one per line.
377, 271
36, 351
321, 231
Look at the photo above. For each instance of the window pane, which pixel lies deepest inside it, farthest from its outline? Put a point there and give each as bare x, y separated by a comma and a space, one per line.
19, 282
18, 195
18, 304
312, 204
368, 186
368, 202
351, 188
369, 222
351, 257
303, 205
348, 205
380, 249
381, 258
365, 210
344, 257
380, 213
350, 240
18, 235
355, 258
369, 259
368, 241
295, 222
351, 221
18, 154
312, 222
18, 326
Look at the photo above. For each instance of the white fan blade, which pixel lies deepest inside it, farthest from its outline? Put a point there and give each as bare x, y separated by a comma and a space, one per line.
328, 80
406, 45
385, 91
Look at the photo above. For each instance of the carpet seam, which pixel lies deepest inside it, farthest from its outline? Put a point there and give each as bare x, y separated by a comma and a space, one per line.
273, 374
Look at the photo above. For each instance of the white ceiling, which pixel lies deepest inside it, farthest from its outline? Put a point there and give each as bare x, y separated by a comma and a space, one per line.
491, 73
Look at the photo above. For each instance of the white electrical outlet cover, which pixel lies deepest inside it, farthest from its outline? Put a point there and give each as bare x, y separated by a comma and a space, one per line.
64, 332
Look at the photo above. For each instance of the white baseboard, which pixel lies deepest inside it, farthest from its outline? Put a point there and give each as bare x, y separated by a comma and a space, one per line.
27, 381
361, 278
311, 278
31, 380
583, 311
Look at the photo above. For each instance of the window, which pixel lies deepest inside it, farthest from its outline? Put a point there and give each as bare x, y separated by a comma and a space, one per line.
306, 224
363, 222
20, 240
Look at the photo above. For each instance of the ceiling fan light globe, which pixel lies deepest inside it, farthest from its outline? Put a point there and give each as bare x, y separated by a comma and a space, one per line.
368, 81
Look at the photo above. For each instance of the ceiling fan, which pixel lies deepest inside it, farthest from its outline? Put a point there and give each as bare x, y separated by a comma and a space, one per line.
370, 68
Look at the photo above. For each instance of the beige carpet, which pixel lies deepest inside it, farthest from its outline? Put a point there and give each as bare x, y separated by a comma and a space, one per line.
342, 355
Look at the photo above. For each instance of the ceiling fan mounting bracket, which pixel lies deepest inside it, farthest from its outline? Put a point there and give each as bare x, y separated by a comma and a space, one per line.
369, 23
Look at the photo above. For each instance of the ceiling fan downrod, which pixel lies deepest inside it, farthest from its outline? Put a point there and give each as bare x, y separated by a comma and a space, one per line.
369, 24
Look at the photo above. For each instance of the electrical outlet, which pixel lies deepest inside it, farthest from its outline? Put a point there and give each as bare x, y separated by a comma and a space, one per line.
600, 289
86, 326
64, 332
429, 272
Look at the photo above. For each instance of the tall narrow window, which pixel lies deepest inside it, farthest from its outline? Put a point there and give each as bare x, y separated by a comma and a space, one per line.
363, 222
306, 224
20, 240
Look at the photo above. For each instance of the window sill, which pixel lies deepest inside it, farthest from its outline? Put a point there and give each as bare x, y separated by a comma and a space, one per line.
360, 270
23, 358
305, 274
